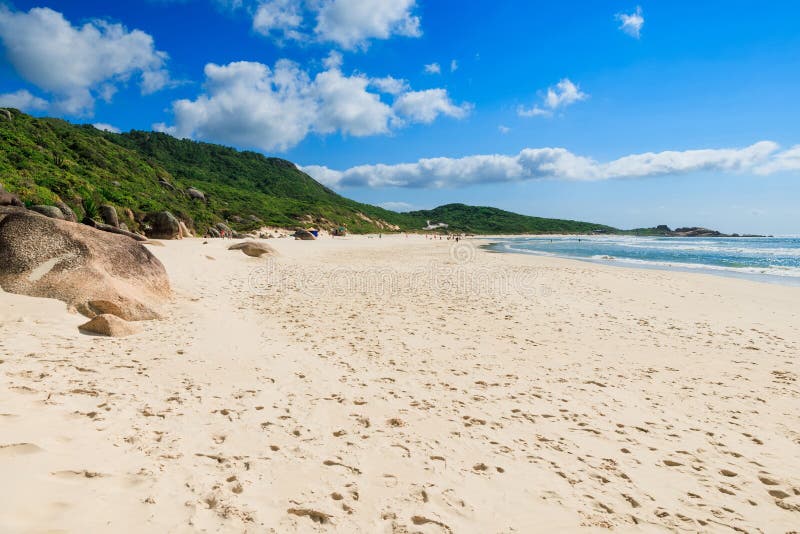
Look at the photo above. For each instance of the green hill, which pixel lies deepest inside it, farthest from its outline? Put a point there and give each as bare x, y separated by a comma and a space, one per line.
486, 220
46, 160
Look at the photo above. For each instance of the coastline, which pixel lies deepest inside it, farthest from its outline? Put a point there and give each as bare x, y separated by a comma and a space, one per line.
366, 384
750, 273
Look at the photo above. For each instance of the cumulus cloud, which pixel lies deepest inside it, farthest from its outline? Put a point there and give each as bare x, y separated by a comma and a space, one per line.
563, 94
631, 23
788, 160
106, 127
433, 68
453, 65
279, 18
249, 104
351, 24
346, 106
390, 85
22, 100
557, 164
252, 105
322, 174
503, 129
426, 106
77, 64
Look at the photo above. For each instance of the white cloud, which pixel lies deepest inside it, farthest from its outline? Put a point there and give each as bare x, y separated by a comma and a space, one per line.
106, 127
534, 111
397, 206
22, 100
631, 23
346, 106
556, 164
788, 160
433, 68
250, 105
78, 64
453, 65
563, 94
504, 129
322, 174
390, 85
426, 106
352, 23
280, 18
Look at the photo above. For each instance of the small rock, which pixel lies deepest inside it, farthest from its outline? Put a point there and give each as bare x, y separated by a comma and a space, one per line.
49, 211
69, 215
108, 325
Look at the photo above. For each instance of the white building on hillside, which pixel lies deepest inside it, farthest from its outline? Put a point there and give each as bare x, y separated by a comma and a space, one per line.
435, 226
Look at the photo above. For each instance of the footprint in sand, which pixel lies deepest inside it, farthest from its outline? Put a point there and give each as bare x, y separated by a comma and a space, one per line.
14, 449
83, 473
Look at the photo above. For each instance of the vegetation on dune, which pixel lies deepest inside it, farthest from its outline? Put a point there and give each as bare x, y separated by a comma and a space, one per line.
46, 160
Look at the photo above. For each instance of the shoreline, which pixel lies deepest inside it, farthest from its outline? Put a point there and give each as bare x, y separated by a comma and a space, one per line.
743, 273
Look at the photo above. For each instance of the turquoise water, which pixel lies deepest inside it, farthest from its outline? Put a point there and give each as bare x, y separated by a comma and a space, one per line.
774, 259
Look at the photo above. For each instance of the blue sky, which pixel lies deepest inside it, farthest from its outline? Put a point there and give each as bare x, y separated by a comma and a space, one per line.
679, 113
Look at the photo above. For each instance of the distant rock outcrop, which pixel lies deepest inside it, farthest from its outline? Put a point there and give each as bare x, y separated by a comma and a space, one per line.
95, 272
696, 231
163, 225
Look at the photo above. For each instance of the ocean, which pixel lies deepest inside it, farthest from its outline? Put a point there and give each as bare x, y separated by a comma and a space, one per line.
770, 259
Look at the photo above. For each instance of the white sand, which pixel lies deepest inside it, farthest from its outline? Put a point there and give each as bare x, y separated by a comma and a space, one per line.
382, 386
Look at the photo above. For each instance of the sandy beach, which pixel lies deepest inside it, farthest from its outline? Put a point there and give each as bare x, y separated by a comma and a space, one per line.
405, 385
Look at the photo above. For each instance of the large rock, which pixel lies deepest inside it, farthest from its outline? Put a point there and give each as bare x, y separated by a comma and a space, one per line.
185, 232
196, 194
5, 211
69, 215
213, 232
49, 211
163, 225
108, 325
96, 272
109, 215
224, 229
10, 199
304, 235
253, 248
